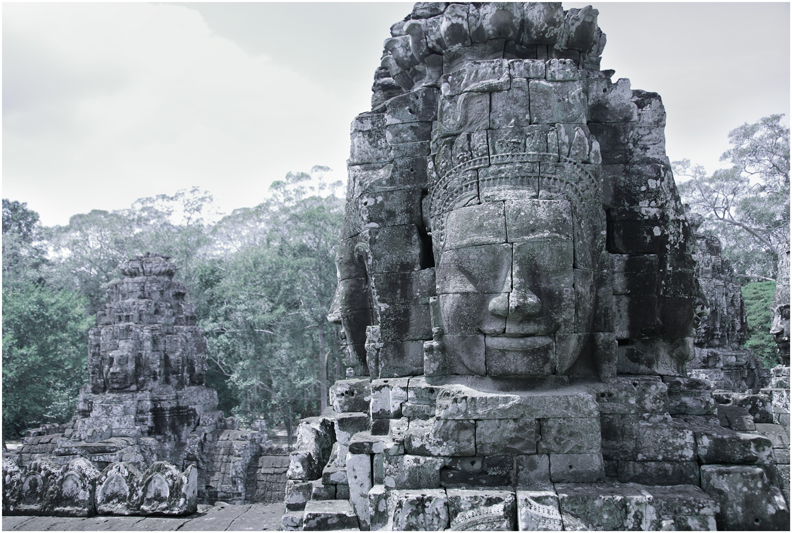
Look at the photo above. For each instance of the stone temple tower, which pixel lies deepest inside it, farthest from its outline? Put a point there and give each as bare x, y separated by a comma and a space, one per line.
517, 296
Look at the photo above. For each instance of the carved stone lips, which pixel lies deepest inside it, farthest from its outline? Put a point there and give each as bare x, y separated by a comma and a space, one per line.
517, 344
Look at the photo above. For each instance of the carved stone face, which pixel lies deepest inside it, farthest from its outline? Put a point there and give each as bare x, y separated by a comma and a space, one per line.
120, 368
513, 302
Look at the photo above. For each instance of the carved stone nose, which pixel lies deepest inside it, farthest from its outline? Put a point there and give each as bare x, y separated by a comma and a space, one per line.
524, 303
517, 303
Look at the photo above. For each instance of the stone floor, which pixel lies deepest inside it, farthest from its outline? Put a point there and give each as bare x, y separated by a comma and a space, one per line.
256, 517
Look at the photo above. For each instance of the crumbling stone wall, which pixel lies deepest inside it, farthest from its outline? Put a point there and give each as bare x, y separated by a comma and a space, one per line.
517, 295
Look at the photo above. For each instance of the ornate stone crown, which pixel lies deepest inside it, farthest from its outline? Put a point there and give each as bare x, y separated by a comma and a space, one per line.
476, 179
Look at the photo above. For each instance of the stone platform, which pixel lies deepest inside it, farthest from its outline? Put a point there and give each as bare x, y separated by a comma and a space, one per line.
257, 517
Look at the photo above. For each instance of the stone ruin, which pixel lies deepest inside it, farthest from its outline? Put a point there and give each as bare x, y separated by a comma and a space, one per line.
147, 437
517, 298
719, 346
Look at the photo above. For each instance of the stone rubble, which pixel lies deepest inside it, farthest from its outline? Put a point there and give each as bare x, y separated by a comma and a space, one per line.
518, 298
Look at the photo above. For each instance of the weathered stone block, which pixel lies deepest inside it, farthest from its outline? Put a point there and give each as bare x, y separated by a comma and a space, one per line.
500, 436
636, 395
659, 472
378, 208
347, 424
394, 249
334, 475
329, 515
412, 471
562, 70
469, 351
381, 511
570, 435
388, 396
297, 494
759, 406
687, 507
114, 489
527, 68
576, 468
557, 102
715, 445
322, 492
611, 102
415, 106
474, 269
490, 510
463, 113
351, 395
537, 510
492, 471
401, 359
478, 76
533, 470
359, 475
420, 510
735, 417
368, 143
476, 225
164, 490
435, 437
604, 507
747, 500
292, 521
509, 109
661, 441
72, 492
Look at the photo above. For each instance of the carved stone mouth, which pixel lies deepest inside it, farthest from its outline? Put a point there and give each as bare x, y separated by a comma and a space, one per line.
518, 344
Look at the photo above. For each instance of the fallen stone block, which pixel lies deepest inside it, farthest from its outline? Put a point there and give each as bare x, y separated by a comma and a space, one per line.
746, 498
329, 515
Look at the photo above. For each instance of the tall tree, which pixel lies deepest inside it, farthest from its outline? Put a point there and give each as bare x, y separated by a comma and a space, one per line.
746, 205
269, 299
44, 330
89, 249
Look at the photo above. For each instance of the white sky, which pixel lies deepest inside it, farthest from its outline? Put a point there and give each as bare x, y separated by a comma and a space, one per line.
104, 103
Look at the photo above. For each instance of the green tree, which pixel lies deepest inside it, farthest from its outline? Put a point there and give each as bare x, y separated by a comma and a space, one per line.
757, 298
44, 330
269, 297
86, 252
746, 205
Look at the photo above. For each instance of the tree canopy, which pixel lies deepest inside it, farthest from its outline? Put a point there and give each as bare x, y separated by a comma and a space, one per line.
746, 205
262, 280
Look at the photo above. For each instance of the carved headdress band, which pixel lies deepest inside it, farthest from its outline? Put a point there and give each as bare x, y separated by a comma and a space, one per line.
528, 171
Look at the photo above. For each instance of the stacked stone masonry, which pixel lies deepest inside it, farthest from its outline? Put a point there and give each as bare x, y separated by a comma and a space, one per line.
518, 299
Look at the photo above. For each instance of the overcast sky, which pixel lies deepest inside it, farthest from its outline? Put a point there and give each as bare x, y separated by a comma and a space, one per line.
104, 103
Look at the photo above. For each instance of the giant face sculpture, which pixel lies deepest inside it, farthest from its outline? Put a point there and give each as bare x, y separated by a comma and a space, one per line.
515, 275
120, 368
